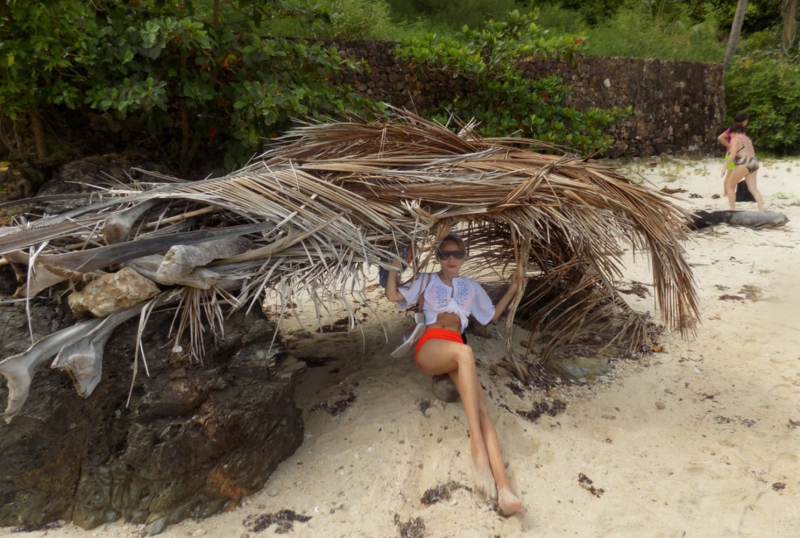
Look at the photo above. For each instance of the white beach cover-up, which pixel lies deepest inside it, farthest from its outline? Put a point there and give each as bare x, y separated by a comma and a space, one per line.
465, 297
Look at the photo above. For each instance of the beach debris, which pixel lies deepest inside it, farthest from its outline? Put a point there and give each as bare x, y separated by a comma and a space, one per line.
637, 288
778, 486
112, 292
117, 228
752, 293
694, 195
413, 528
441, 493
283, 520
424, 405
661, 406
667, 190
543, 408
587, 484
518, 391
337, 408
794, 423
19, 369
748, 219
728, 297
340, 325
715, 196
32, 527
444, 389
185, 264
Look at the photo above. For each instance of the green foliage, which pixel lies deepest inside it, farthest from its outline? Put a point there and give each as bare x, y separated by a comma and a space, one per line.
767, 87
635, 32
449, 13
344, 19
668, 32
505, 101
228, 83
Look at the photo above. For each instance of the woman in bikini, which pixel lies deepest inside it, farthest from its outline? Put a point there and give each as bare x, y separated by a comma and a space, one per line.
448, 301
725, 140
743, 156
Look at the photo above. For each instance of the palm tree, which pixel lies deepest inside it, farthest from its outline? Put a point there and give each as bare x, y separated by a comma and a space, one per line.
736, 30
789, 22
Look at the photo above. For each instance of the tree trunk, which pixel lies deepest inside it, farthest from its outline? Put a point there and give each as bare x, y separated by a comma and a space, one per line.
733, 40
38, 134
789, 23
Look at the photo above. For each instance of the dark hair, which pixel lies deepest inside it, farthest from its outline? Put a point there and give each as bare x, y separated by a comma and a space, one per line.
737, 127
741, 117
455, 238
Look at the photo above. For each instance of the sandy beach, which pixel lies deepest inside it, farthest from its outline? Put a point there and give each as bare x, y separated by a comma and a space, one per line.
700, 440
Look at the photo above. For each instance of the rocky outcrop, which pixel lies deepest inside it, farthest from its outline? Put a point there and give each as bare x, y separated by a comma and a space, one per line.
193, 440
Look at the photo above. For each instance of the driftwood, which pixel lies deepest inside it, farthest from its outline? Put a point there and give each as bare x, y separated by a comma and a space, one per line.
96, 258
117, 228
19, 369
749, 219
184, 264
83, 358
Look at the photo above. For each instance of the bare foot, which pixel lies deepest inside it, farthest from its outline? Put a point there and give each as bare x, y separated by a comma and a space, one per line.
509, 503
484, 480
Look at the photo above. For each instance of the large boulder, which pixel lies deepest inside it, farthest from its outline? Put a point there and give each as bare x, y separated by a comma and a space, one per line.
194, 439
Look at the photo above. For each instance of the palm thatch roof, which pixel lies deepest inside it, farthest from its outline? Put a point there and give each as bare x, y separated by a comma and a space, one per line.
308, 215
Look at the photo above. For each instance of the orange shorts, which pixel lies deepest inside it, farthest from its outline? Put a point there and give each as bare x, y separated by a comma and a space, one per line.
437, 334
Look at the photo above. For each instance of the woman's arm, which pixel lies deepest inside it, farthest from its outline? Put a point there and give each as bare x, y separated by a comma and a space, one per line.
391, 288
505, 300
723, 139
732, 151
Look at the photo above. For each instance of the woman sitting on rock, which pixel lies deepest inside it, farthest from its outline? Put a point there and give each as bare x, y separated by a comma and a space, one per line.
448, 300
746, 166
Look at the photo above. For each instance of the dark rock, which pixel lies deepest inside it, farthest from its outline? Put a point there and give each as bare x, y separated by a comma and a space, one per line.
194, 439
77, 177
444, 389
19, 181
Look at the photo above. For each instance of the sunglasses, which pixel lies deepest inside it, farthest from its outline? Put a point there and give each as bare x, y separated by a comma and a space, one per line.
444, 254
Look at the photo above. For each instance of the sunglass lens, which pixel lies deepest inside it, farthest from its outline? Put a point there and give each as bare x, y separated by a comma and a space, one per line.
444, 254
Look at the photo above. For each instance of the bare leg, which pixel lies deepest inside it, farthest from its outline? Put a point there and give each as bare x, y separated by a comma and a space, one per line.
731, 181
725, 182
508, 501
442, 357
750, 179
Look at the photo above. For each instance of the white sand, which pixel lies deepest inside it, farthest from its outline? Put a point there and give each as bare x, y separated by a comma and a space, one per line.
703, 466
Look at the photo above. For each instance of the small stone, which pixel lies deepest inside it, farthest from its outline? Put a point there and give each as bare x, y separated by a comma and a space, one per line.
273, 493
112, 292
661, 405
156, 526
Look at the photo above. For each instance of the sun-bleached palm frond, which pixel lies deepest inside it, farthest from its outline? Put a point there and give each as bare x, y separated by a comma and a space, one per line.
334, 196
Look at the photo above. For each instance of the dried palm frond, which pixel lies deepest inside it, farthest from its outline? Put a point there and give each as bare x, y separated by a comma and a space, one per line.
333, 196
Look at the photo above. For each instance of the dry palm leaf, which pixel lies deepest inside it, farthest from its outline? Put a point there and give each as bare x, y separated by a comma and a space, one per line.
335, 195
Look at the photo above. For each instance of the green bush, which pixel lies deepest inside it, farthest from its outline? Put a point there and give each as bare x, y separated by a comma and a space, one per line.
767, 86
505, 102
635, 32
450, 13
229, 83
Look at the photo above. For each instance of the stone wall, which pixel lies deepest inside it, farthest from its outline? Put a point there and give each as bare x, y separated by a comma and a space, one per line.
678, 106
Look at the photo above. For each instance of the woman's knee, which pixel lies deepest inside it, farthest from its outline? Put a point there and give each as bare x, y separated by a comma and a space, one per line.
465, 357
